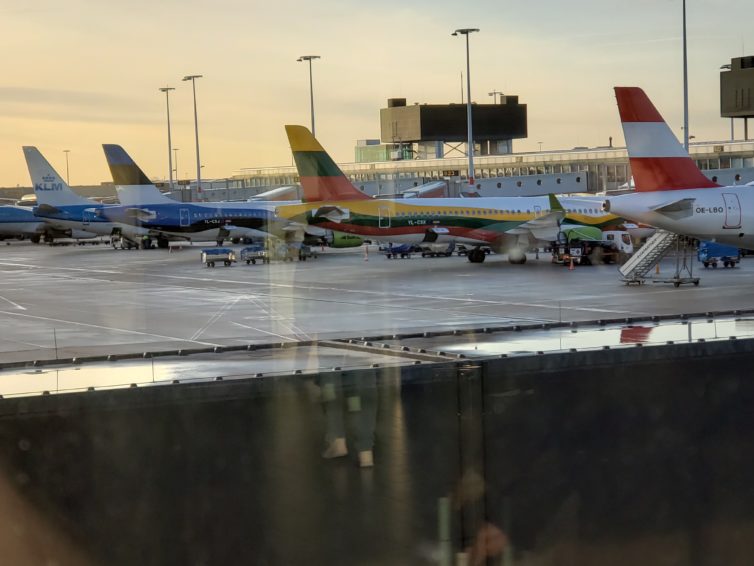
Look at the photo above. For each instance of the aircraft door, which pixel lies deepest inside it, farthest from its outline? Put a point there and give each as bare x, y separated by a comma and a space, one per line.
87, 217
384, 212
732, 211
184, 217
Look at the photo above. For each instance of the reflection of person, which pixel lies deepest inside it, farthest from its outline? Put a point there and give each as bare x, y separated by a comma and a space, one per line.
361, 404
489, 540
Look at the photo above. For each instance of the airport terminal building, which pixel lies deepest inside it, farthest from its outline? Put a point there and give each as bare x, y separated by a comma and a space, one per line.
522, 174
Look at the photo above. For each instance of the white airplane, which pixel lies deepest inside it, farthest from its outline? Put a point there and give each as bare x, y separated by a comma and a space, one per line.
671, 192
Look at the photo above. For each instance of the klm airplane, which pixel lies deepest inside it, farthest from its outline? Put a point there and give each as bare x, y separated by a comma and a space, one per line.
19, 222
64, 211
164, 218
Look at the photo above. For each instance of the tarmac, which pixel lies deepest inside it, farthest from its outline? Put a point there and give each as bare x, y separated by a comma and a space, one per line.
344, 308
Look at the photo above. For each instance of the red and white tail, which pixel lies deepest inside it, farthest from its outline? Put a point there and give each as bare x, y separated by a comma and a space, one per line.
658, 161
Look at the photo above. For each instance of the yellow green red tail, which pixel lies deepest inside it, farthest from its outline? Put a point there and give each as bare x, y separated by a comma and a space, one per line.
321, 178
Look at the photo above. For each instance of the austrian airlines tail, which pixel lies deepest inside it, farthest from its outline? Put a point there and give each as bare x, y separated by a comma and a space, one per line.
321, 178
658, 161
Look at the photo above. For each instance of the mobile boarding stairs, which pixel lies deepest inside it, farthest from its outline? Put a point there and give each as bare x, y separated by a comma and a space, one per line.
635, 270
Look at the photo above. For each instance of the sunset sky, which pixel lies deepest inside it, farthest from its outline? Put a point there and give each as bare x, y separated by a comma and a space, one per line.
80, 73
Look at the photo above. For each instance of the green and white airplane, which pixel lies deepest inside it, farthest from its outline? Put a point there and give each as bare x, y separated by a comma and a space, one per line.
506, 224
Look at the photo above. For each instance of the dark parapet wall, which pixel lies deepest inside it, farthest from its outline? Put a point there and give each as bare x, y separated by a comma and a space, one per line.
603, 457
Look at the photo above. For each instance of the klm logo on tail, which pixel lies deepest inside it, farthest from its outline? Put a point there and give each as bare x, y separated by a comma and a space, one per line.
48, 184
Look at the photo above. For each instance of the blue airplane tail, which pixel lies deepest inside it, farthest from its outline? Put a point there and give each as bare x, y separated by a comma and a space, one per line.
133, 187
124, 169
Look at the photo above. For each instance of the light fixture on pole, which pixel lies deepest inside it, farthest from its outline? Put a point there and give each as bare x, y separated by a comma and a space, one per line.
67, 178
166, 90
310, 58
467, 32
494, 94
193, 78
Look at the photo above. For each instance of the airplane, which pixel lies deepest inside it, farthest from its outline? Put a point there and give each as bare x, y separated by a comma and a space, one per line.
19, 222
671, 192
144, 206
507, 224
65, 212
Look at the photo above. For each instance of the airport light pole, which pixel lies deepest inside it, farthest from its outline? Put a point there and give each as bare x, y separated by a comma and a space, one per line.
309, 59
466, 32
67, 179
166, 90
193, 78
494, 94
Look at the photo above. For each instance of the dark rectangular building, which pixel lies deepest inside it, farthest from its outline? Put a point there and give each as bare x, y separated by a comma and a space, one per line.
447, 122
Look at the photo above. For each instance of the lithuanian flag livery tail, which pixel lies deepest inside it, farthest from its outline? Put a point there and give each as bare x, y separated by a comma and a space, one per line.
321, 178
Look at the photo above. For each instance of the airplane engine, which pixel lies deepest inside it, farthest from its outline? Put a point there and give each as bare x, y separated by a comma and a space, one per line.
516, 256
81, 235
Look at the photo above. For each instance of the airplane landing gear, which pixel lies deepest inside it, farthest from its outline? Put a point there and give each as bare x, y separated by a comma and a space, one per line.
476, 255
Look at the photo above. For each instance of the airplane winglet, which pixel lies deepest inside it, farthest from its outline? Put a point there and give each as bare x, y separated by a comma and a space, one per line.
555, 203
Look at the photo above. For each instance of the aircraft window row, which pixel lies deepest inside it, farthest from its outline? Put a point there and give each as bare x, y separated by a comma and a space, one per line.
583, 210
219, 215
475, 212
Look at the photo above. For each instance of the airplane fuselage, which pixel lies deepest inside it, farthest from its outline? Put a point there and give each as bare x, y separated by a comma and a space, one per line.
16, 221
81, 218
486, 220
724, 214
197, 221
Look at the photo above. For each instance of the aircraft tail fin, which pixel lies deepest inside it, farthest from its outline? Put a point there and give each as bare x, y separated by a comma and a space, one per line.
321, 178
133, 186
658, 161
50, 188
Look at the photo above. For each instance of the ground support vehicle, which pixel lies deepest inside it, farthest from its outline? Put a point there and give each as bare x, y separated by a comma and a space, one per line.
287, 252
211, 256
403, 251
588, 253
304, 251
711, 254
253, 253
438, 250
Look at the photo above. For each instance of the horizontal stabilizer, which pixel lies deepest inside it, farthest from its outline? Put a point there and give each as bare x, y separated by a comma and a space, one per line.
46, 209
332, 213
682, 208
140, 214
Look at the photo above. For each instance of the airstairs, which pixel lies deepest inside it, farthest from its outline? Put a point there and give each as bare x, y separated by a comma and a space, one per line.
639, 264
